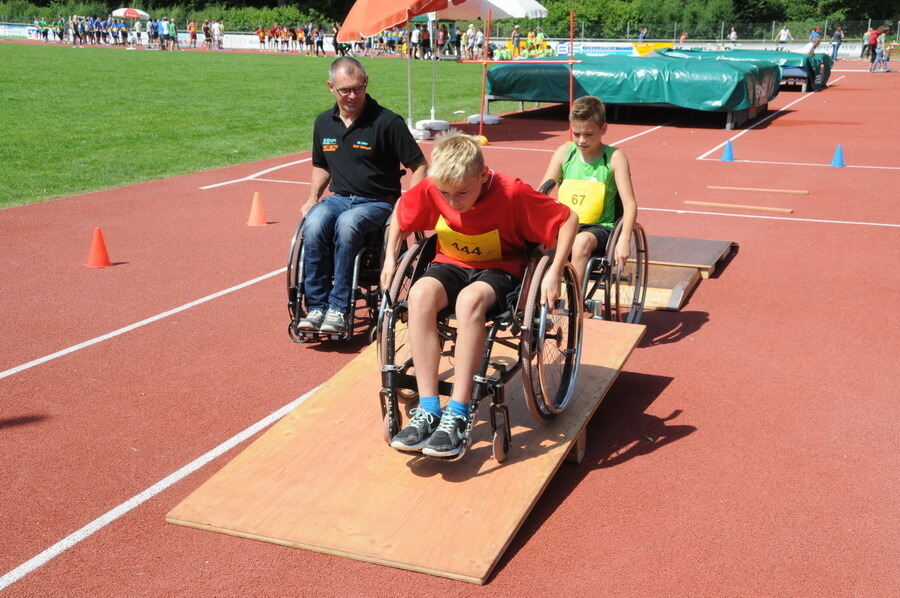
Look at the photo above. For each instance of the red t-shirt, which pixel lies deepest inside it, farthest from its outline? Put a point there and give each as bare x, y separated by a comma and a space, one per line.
494, 232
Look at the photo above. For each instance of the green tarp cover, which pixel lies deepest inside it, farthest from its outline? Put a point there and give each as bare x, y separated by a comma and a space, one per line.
789, 61
710, 85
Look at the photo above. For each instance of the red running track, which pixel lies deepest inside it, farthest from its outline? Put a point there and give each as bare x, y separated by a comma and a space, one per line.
748, 449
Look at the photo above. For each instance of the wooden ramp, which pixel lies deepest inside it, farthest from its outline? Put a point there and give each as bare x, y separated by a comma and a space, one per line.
703, 254
668, 287
351, 495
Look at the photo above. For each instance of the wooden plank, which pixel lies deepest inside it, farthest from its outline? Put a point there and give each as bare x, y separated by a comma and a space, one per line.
759, 189
349, 494
703, 254
668, 287
738, 206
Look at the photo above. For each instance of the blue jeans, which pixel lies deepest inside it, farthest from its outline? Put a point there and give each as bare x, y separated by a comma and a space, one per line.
334, 231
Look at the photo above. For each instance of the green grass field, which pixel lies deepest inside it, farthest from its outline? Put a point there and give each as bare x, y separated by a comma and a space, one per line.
83, 119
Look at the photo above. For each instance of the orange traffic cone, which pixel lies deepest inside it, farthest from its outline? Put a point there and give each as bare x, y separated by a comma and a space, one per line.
257, 214
98, 258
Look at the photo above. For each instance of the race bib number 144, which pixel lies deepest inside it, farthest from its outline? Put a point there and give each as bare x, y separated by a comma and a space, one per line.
468, 248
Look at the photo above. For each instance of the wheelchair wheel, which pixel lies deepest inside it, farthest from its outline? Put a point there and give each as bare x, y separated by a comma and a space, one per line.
551, 344
393, 344
626, 288
296, 309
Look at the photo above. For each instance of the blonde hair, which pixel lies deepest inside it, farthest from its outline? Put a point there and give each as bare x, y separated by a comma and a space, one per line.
588, 108
456, 157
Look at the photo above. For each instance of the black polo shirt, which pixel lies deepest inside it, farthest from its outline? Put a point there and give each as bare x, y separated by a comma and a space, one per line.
364, 159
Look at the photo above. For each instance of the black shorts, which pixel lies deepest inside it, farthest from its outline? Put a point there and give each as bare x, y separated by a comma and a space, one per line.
455, 278
601, 233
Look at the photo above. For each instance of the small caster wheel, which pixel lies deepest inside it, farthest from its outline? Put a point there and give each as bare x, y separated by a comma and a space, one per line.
500, 445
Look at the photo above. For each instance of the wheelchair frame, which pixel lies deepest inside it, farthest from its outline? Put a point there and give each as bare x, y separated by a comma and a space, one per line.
529, 326
365, 285
602, 273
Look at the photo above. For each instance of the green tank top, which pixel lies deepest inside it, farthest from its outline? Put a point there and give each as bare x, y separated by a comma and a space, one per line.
589, 188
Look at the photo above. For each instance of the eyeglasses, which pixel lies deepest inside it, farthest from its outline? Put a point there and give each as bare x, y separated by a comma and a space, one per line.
345, 92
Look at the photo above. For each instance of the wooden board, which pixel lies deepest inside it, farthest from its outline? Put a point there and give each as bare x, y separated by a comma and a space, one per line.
703, 254
351, 495
668, 287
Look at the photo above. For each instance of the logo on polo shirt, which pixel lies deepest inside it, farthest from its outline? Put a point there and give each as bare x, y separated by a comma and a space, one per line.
329, 144
362, 145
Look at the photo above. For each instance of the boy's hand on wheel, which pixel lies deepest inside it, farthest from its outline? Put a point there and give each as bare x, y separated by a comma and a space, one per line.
623, 252
550, 288
387, 274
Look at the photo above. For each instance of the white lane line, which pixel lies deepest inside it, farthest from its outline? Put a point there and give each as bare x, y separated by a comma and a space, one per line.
804, 164
818, 220
250, 177
130, 327
99, 523
535, 149
761, 121
282, 181
621, 141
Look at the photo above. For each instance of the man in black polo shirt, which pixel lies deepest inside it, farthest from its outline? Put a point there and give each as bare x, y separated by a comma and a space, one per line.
358, 147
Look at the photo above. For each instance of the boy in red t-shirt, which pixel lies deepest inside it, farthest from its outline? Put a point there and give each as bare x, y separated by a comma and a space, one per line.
483, 221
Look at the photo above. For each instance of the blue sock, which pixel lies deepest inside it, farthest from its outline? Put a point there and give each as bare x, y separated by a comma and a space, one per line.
430, 404
460, 409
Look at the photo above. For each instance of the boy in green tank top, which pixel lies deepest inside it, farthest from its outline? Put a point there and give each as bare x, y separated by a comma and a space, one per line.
591, 175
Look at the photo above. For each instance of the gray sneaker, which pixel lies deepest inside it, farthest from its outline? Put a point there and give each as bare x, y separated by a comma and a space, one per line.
312, 321
417, 431
334, 321
448, 438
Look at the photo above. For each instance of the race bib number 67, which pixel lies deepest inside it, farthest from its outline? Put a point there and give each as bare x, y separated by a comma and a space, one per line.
585, 198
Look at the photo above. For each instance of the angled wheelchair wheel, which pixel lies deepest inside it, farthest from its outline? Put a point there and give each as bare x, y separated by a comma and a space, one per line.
626, 289
393, 341
551, 344
296, 309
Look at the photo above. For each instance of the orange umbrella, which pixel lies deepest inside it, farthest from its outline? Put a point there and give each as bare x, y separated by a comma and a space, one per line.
368, 17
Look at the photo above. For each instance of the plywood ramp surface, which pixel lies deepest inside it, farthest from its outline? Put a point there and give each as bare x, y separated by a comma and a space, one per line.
668, 287
349, 494
703, 254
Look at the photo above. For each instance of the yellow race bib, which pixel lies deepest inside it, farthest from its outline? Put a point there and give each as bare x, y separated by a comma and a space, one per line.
585, 198
468, 248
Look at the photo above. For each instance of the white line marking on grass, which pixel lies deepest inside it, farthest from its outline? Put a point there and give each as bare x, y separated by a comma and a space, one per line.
131, 327
761, 121
817, 220
135, 501
804, 164
250, 177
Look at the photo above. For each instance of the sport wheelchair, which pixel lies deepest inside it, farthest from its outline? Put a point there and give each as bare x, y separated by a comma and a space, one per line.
364, 294
612, 292
547, 342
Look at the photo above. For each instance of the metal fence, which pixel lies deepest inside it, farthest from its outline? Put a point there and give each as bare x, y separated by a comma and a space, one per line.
853, 30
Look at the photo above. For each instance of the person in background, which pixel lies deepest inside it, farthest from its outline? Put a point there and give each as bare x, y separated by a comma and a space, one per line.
784, 35
837, 39
516, 39
872, 45
733, 36
683, 38
881, 51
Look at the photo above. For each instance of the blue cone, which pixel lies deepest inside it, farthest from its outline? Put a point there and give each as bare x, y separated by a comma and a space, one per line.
728, 154
838, 159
